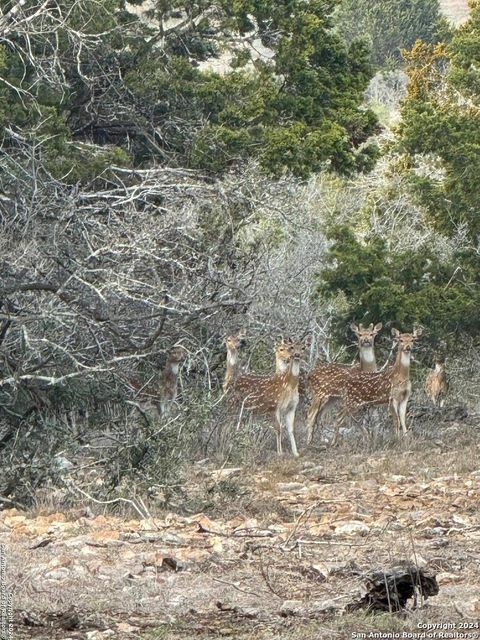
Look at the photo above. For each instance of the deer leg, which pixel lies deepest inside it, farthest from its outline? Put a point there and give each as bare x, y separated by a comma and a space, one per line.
277, 425
312, 418
364, 426
289, 424
402, 414
336, 434
162, 408
394, 413
339, 422
315, 413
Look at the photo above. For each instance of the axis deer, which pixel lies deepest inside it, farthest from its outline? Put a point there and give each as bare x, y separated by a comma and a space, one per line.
233, 343
275, 395
391, 386
169, 380
436, 382
281, 365
325, 381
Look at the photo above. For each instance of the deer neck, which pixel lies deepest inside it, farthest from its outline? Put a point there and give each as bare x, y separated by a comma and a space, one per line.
293, 372
232, 368
281, 366
172, 368
171, 371
438, 367
367, 359
170, 376
402, 364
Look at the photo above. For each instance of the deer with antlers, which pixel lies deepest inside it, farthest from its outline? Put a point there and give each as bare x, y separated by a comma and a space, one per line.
436, 382
325, 382
169, 379
391, 386
275, 395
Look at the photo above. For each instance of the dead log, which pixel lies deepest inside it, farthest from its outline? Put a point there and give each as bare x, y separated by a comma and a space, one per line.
389, 589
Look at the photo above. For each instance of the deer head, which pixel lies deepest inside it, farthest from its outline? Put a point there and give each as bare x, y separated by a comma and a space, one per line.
366, 339
235, 341
282, 354
439, 359
177, 354
286, 350
405, 341
366, 335
297, 349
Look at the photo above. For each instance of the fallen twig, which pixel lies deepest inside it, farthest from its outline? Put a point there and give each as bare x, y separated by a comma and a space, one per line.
307, 512
231, 584
260, 534
327, 542
73, 487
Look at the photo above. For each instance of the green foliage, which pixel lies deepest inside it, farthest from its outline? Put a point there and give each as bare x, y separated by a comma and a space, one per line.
403, 288
441, 120
391, 25
438, 160
33, 103
151, 91
297, 112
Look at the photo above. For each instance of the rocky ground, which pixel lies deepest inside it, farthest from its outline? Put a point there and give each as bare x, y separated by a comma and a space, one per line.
281, 550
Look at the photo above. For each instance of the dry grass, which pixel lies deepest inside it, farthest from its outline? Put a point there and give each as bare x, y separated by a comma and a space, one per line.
407, 492
338, 628
341, 628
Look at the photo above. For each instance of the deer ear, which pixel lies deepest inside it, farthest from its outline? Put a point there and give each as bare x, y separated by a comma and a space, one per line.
242, 333
417, 332
377, 327
354, 328
286, 341
395, 333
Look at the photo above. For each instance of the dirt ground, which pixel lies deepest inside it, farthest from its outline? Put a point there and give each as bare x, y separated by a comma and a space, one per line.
278, 550
456, 10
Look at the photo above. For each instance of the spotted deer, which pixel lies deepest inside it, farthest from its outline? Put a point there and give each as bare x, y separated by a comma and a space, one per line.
275, 395
169, 380
436, 382
281, 365
233, 343
392, 386
325, 381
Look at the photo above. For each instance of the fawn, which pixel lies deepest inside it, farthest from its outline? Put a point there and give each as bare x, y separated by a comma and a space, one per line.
436, 382
233, 343
169, 380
